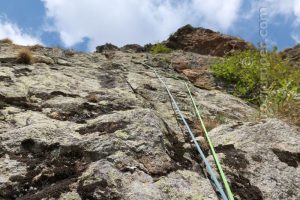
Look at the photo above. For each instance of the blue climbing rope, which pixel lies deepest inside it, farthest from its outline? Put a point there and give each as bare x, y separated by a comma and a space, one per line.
202, 156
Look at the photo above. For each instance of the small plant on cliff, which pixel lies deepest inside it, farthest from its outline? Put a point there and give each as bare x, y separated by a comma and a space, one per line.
242, 71
24, 56
253, 75
160, 48
264, 79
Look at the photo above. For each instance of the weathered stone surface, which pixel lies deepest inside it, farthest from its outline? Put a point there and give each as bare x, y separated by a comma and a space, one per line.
108, 182
86, 126
10, 169
293, 54
196, 68
261, 159
43, 59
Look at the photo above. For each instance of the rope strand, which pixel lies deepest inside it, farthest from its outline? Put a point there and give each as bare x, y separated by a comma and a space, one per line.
202, 156
212, 149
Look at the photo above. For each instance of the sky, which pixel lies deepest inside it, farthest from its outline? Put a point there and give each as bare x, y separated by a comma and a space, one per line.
84, 24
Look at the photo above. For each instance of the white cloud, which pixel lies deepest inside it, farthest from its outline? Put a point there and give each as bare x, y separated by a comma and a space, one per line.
297, 11
135, 21
289, 9
13, 32
296, 37
274, 7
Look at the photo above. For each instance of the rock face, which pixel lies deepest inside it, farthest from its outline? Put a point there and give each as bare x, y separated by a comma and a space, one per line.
85, 126
129, 48
106, 47
205, 41
261, 159
293, 54
133, 48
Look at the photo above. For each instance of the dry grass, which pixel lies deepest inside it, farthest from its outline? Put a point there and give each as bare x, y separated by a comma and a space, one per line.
291, 113
24, 56
210, 123
92, 98
288, 111
6, 41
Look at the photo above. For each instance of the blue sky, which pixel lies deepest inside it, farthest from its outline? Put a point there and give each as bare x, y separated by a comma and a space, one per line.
84, 24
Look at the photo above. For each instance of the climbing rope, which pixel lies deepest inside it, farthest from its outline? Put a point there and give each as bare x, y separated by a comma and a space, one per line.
202, 156
223, 177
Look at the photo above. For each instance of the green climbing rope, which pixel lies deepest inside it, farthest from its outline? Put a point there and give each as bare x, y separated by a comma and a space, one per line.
223, 177
217, 185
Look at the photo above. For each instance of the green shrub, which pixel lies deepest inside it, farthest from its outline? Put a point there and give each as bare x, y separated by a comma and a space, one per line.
261, 78
255, 76
160, 48
243, 71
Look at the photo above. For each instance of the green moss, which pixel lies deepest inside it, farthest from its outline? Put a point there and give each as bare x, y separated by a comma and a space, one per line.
160, 48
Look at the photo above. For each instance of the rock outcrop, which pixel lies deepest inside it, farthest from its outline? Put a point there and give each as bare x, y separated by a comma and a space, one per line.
205, 41
106, 47
129, 48
88, 126
293, 54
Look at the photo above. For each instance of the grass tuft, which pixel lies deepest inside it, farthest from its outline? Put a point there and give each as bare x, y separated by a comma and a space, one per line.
160, 48
92, 98
24, 57
210, 123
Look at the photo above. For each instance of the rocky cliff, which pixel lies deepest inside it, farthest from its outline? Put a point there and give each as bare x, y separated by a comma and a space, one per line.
206, 42
293, 54
101, 126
